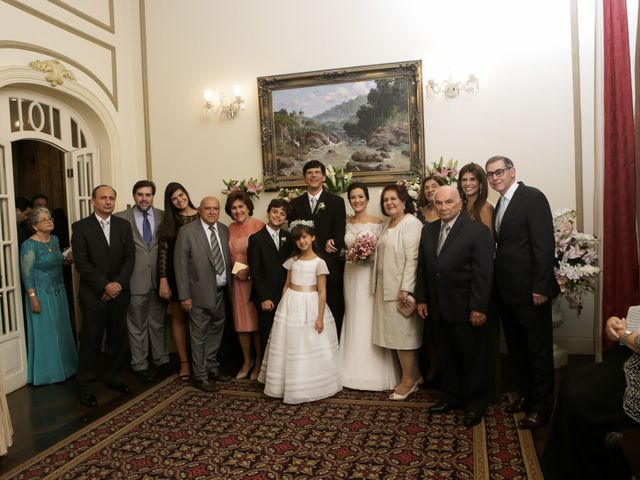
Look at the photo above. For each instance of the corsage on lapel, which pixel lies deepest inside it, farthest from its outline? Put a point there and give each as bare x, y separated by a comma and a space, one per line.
320, 206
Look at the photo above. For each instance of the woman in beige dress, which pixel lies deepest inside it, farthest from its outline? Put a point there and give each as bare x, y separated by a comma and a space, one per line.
395, 276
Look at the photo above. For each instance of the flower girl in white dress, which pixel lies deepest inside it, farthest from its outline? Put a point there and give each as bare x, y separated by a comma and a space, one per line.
301, 359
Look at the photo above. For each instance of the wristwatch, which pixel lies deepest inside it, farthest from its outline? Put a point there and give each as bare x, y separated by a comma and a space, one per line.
625, 335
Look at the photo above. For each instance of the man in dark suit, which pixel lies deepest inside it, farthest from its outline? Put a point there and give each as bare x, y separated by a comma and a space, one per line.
455, 269
524, 286
203, 274
104, 255
147, 311
268, 249
329, 217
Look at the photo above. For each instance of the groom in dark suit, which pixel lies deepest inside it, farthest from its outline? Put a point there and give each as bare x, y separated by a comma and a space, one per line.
329, 217
104, 255
455, 270
524, 287
268, 250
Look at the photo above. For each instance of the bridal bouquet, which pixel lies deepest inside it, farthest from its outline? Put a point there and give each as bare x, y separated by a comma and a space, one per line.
251, 187
362, 248
576, 266
447, 171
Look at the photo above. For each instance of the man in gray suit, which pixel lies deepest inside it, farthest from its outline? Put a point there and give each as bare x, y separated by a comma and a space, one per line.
203, 274
146, 311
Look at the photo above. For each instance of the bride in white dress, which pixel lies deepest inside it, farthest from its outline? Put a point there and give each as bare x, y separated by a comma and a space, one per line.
365, 366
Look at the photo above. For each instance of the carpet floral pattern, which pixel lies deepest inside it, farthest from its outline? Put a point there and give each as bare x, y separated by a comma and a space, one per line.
175, 431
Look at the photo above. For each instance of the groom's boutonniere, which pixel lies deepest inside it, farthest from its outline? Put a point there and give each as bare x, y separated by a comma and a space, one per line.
283, 240
319, 207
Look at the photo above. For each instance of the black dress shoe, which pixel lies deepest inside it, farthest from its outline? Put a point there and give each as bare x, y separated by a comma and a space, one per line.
118, 387
520, 405
144, 375
442, 406
206, 385
219, 377
471, 418
533, 420
88, 399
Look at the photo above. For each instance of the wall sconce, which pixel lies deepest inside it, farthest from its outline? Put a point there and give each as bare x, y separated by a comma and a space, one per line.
227, 109
452, 89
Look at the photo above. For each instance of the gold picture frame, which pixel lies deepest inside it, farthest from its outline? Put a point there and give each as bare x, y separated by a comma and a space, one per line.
367, 120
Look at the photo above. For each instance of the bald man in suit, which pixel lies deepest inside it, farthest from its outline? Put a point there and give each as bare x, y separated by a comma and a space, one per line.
202, 265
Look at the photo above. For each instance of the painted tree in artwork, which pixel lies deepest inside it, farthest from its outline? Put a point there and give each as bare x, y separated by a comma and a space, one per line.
386, 103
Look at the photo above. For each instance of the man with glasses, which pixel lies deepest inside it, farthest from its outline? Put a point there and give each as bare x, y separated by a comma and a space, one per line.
524, 286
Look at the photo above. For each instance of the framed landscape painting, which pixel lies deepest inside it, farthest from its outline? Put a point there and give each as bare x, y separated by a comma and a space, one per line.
367, 120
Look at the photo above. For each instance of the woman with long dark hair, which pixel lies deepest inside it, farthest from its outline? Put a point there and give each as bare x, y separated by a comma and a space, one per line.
178, 212
474, 188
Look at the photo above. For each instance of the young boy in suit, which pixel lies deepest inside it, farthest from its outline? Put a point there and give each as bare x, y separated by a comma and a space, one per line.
268, 249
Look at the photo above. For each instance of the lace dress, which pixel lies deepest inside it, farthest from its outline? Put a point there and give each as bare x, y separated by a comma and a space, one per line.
365, 366
52, 355
300, 364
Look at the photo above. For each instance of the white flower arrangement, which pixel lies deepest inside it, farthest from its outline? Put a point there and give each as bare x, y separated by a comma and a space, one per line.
290, 193
337, 180
576, 266
413, 188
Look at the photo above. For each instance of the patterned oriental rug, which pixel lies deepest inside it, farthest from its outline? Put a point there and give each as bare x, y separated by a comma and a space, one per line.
176, 431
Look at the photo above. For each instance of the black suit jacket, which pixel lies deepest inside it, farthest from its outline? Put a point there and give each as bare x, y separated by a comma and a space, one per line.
265, 263
99, 262
329, 222
459, 279
525, 248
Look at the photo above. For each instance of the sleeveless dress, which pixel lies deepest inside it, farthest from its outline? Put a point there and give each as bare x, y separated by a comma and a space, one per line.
52, 355
365, 366
245, 315
300, 364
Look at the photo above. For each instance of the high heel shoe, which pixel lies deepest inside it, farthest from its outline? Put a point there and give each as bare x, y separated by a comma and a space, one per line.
185, 376
242, 374
414, 388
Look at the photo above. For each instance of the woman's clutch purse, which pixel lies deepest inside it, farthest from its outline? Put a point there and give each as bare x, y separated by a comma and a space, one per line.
408, 309
237, 267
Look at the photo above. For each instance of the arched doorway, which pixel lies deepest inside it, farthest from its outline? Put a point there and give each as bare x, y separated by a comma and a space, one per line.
49, 138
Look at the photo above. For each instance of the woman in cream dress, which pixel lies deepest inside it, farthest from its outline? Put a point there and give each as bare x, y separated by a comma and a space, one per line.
395, 276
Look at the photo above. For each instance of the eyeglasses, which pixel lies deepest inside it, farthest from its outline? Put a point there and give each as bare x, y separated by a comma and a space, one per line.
48, 219
498, 173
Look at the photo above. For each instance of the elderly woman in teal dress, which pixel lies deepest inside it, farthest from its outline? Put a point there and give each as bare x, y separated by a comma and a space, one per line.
51, 350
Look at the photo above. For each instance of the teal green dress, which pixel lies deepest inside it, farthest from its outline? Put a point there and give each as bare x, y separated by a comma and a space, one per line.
51, 349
